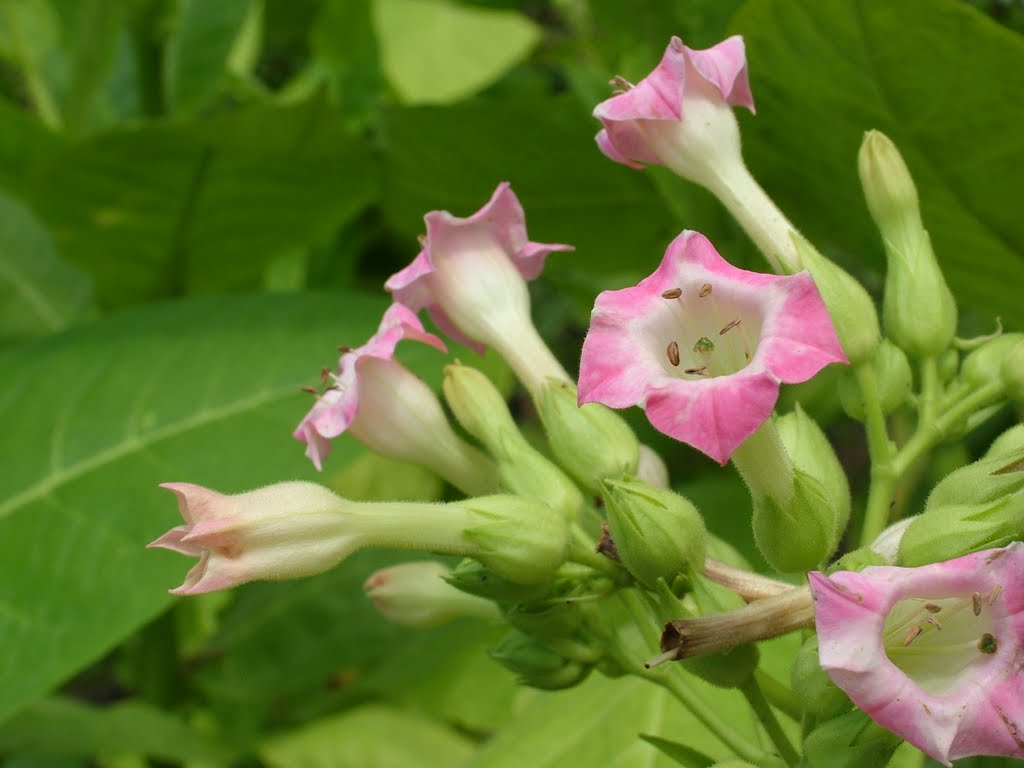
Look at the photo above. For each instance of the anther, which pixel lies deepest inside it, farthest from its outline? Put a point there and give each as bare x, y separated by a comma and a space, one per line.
672, 293
704, 345
933, 608
310, 390
344, 349
912, 635
976, 603
422, 240
705, 290
987, 644
729, 327
702, 371
620, 84
325, 374
673, 353
996, 592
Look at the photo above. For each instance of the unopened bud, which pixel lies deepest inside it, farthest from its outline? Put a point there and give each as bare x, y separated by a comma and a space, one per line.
818, 695
852, 311
985, 480
798, 533
475, 578
947, 532
657, 532
416, 594
985, 363
1008, 442
591, 441
854, 736
536, 664
891, 372
1012, 372
481, 410
918, 308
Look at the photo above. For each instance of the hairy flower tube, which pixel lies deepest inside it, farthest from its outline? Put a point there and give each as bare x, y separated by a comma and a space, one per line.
680, 116
295, 529
391, 411
934, 653
702, 346
471, 276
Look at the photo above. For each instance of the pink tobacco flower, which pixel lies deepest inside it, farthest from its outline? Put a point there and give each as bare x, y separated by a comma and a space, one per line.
933, 653
282, 531
391, 411
702, 346
681, 112
471, 276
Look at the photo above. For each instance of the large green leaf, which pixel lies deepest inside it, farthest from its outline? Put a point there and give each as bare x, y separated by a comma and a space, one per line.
436, 51
94, 418
159, 209
942, 80
39, 293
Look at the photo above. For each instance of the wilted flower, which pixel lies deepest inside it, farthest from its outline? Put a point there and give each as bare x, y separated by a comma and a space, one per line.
471, 276
933, 653
702, 346
391, 411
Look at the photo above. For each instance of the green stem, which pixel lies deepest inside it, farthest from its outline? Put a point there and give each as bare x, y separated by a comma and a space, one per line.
757, 701
780, 696
931, 389
582, 551
881, 450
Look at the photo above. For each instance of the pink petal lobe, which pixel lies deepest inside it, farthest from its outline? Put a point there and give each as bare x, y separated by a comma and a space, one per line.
725, 66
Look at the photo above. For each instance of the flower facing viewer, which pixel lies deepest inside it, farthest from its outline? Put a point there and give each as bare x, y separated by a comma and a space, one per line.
702, 346
934, 653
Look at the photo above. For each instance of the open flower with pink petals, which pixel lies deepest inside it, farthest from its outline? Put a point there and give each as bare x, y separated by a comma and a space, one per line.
283, 531
935, 653
702, 346
471, 276
392, 411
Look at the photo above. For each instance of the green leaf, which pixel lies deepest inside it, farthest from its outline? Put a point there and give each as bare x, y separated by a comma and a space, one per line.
39, 293
60, 726
682, 754
437, 52
372, 735
197, 57
29, 30
940, 79
202, 390
94, 30
160, 209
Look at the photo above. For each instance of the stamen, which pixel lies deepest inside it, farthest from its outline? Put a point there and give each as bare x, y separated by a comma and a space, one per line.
933, 608
673, 353
344, 349
705, 290
325, 374
729, 327
620, 84
422, 240
672, 293
310, 390
702, 371
996, 592
912, 635
934, 622
976, 603
704, 345
987, 644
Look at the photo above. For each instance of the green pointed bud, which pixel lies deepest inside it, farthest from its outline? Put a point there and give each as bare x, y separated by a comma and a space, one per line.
852, 311
522, 540
1012, 372
812, 453
416, 594
949, 365
891, 371
818, 695
1010, 441
475, 578
985, 363
947, 532
985, 480
536, 664
523, 470
918, 308
658, 533
799, 533
852, 740
591, 441
561, 619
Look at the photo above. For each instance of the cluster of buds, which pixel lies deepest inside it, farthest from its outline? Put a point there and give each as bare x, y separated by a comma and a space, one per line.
582, 547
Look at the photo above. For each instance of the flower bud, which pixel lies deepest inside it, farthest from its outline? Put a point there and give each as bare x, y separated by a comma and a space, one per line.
591, 441
986, 480
985, 363
852, 311
481, 410
812, 453
416, 594
537, 665
950, 531
475, 578
891, 371
918, 308
1010, 441
522, 540
849, 741
818, 695
559, 620
1012, 372
798, 533
658, 533
651, 468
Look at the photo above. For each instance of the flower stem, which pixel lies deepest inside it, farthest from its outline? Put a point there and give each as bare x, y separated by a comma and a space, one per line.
765, 466
757, 701
881, 450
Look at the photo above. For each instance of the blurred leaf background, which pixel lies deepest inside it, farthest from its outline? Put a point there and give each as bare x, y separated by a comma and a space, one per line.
200, 199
